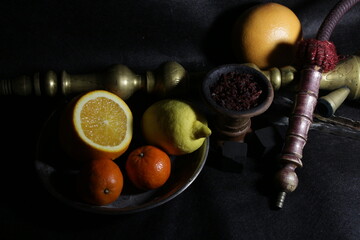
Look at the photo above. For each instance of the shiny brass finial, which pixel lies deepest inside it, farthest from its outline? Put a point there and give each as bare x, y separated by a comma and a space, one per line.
279, 77
118, 79
165, 78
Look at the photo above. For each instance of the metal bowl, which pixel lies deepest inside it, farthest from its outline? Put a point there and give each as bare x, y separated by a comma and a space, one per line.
58, 173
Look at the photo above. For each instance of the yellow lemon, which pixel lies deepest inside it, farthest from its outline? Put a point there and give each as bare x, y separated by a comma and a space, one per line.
175, 126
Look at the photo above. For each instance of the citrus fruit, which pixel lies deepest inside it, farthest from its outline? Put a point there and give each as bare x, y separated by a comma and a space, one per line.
267, 35
95, 125
148, 167
174, 126
100, 182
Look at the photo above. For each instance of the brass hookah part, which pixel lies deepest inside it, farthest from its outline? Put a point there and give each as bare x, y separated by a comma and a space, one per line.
343, 82
304, 106
328, 104
279, 77
346, 73
118, 79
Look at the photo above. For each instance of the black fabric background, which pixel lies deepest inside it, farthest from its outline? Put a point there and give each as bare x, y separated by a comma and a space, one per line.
88, 36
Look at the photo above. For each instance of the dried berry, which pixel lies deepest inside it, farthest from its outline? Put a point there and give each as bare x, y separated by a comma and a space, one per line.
236, 91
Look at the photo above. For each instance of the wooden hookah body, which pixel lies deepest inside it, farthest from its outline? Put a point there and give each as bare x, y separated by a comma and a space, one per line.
306, 99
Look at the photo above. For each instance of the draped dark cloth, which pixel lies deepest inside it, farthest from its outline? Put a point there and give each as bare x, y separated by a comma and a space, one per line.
222, 202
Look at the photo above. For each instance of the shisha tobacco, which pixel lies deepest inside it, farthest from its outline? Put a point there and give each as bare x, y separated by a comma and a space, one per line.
236, 91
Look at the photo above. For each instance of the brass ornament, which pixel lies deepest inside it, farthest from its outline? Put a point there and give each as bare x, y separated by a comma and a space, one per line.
118, 79
346, 73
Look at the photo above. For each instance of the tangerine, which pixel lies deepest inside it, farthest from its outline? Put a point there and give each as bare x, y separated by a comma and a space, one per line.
148, 167
96, 125
267, 35
100, 182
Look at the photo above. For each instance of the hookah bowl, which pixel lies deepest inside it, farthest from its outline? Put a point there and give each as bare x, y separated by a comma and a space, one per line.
231, 125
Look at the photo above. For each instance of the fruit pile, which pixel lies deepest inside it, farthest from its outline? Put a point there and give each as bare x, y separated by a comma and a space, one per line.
96, 128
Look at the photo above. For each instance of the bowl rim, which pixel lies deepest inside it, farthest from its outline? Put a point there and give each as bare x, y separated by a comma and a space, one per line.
214, 74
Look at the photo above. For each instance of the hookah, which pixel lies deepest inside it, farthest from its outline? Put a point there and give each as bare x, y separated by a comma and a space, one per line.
318, 56
343, 81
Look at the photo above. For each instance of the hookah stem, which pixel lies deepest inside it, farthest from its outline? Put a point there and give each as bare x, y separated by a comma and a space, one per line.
305, 103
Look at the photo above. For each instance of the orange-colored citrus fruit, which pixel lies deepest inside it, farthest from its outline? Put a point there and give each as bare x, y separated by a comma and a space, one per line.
267, 35
96, 125
148, 167
100, 182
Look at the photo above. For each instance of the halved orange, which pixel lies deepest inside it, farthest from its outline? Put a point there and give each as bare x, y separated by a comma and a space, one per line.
96, 125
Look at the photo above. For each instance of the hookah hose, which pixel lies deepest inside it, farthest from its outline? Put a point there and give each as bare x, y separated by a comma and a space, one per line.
316, 56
